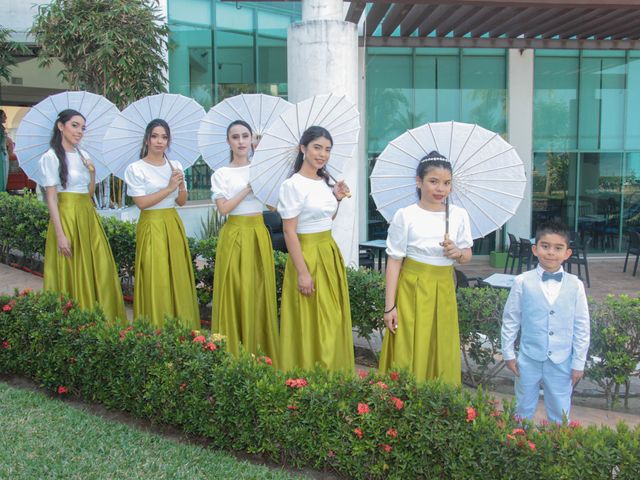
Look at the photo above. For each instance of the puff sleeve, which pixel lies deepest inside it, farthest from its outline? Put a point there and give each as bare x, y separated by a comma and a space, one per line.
290, 200
463, 237
49, 165
219, 186
397, 236
134, 179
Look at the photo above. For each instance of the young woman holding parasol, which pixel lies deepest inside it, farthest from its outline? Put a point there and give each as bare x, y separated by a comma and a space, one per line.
164, 280
424, 241
315, 317
244, 287
78, 260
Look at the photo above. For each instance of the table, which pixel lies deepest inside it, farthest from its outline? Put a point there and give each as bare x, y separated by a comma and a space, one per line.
378, 246
500, 280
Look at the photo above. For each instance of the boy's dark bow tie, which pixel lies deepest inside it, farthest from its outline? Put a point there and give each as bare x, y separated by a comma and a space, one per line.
552, 276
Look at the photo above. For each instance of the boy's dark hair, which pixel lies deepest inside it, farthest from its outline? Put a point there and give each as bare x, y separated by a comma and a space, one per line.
553, 227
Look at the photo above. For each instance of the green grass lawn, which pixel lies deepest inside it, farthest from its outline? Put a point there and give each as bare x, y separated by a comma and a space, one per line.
42, 438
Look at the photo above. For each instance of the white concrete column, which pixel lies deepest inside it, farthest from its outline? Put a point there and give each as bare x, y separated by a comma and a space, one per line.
363, 151
520, 129
322, 57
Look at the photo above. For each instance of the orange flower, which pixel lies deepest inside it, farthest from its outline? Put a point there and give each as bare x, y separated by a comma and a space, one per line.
296, 382
518, 431
510, 437
532, 446
358, 432
399, 404
395, 376
210, 346
471, 414
392, 432
363, 408
382, 385
362, 373
199, 339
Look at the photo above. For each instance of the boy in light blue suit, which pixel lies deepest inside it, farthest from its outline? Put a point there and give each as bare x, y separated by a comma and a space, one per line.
548, 307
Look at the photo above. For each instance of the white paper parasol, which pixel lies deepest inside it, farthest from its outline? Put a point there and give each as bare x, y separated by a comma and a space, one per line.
257, 109
273, 160
488, 175
34, 132
123, 139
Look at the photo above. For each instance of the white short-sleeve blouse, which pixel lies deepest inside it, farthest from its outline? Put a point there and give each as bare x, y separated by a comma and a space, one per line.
227, 182
312, 201
142, 178
416, 233
78, 177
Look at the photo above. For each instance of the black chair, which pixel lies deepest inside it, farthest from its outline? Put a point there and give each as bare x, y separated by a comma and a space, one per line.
512, 253
579, 257
633, 249
462, 281
273, 222
525, 254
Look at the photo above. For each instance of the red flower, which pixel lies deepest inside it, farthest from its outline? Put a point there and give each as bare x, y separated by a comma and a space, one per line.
518, 431
6, 308
532, 446
386, 447
209, 346
395, 376
382, 385
267, 360
292, 407
574, 424
358, 432
296, 382
331, 454
158, 331
471, 414
6, 345
392, 432
25, 292
544, 423
510, 437
399, 404
183, 387
199, 339
363, 408
62, 390
363, 373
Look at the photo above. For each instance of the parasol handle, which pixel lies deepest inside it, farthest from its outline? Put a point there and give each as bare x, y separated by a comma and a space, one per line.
347, 194
89, 167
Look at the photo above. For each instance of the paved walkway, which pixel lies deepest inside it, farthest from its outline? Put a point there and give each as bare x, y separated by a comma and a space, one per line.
610, 280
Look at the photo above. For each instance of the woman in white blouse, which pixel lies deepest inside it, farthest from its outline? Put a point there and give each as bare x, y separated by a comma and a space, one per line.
78, 260
164, 282
244, 284
315, 317
421, 314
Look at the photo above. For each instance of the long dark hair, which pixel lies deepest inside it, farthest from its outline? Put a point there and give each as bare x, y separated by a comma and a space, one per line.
156, 122
433, 160
241, 123
309, 135
56, 143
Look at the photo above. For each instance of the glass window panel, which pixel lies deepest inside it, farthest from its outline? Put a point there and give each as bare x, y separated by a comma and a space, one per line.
554, 188
197, 12
599, 201
234, 16
633, 105
555, 112
272, 66
425, 92
389, 98
448, 89
484, 92
631, 196
234, 64
190, 64
273, 25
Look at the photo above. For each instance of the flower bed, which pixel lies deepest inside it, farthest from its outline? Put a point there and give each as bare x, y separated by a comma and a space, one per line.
360, 426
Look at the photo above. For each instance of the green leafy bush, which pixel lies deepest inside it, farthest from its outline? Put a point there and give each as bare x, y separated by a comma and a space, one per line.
122, 239
24, 221
363, 427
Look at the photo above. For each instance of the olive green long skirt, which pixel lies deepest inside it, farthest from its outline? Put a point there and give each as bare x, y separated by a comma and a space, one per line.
426, 340
317, 329
89, 275
244, 287
164, 282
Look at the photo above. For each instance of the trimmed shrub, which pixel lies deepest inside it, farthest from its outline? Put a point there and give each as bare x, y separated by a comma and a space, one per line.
363, 427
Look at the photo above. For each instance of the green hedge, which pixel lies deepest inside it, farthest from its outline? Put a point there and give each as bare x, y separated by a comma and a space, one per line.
366, 426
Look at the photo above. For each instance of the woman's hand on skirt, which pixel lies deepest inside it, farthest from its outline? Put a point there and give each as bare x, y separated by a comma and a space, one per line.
391, 320
64, 246
305, 284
